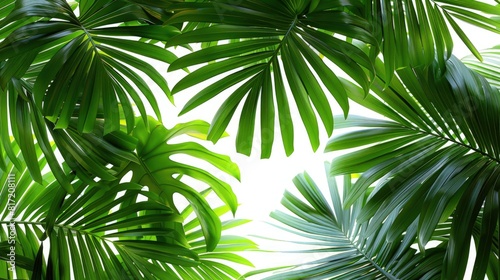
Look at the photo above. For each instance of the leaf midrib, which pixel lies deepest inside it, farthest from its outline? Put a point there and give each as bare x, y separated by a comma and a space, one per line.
373, 263
61, 226
454, 141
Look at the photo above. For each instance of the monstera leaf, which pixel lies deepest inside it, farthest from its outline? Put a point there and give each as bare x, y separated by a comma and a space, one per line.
159, 172
219, 263
436, 156
149, 155
262, 48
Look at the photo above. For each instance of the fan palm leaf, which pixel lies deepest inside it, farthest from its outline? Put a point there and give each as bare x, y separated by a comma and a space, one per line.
82, 225
349, 249
271, 43
85, 54
50, 48
435, 156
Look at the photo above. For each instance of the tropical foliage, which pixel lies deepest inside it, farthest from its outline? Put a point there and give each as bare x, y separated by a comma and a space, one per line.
96, 175
47, 51
126, 228
354, 249
266, 38
108, 200
435, 158
276, 41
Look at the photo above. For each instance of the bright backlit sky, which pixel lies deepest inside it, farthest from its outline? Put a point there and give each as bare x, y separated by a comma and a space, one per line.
264, 181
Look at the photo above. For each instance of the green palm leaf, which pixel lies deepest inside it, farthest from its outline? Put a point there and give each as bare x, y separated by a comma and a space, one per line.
47, 51
105, 230
436, 156
87, 55
413, 33
490, 251
19, 114
353, 250
271, 43
488, 68
6, 8
88, 155
81, 225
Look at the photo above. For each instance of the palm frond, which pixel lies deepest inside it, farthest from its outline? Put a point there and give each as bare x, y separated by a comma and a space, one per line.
272, 46
81, 228
437, 155
108, 230
415, 33
6, 8
50, 48
87, 55
349, 249
20, 123
488, 68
